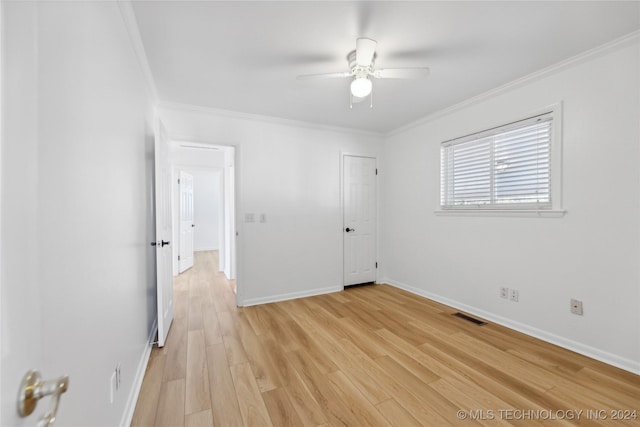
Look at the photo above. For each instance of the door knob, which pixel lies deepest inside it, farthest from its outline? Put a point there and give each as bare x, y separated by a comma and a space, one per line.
154, 243
348, 230
193, 225
32, 389
164, 243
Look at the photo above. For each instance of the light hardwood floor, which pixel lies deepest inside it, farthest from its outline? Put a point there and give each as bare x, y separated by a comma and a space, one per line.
374, 356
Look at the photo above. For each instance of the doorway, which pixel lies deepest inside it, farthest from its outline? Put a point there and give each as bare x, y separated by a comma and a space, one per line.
213, 168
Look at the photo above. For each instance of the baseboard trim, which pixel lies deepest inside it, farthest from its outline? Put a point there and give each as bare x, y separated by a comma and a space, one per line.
292, 295
127, 415
586, 350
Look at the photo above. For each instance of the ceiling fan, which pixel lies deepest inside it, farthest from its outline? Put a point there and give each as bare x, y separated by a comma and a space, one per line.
361, 71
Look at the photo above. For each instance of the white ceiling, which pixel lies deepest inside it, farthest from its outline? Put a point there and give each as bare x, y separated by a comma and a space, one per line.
245, 56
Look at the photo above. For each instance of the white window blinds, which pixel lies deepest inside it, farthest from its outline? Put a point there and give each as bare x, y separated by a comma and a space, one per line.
505, 167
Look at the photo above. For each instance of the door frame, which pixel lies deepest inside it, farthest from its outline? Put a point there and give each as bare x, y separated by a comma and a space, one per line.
177, 221
236, 243
370, 155
2, 142
175, 206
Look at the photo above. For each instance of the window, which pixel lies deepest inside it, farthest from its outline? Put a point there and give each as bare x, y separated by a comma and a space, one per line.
508, 167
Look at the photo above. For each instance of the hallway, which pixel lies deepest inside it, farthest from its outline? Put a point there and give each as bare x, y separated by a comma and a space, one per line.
178, 382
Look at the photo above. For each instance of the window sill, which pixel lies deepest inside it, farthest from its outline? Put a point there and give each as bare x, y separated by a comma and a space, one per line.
529, 213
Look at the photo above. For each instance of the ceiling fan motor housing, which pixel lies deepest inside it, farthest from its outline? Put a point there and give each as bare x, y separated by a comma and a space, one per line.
359, 71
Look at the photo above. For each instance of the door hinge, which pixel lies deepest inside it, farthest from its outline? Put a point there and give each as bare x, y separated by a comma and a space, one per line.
178, 257
179, 179
376, 264
376, 171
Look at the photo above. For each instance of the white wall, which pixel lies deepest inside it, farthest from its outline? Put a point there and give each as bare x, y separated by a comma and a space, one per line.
292, 175
194, 156
207, 197
85, 175
591, 253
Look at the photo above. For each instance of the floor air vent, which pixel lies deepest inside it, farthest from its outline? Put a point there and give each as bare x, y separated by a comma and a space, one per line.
470, 319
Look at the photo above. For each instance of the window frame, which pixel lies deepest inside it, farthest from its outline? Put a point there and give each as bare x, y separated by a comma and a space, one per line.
554, 209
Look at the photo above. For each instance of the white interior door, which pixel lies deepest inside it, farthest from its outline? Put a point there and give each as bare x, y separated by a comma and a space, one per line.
359, 219
163, 234
186, 221
21, 335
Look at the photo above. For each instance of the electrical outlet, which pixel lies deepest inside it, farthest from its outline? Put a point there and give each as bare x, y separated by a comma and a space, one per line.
576, 307
514, 295
504, 293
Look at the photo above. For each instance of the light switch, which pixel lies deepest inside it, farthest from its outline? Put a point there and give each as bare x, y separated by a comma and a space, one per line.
263, 217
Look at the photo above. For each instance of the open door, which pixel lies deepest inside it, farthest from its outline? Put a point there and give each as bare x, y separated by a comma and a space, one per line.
163, 233
185, 258
23, 287
21, 333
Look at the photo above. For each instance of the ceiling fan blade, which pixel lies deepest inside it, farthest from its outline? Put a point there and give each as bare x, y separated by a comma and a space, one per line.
401, 73
323, 76
365, 49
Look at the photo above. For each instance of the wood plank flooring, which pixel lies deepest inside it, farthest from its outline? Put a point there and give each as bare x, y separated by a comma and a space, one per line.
370, 356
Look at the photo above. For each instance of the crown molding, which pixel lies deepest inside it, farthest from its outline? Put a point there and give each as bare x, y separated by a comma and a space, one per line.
188, 108
604, 49
128, 16
131, 24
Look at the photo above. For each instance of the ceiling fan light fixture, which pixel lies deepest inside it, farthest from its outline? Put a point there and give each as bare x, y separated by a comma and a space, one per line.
361, 87
362, 71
